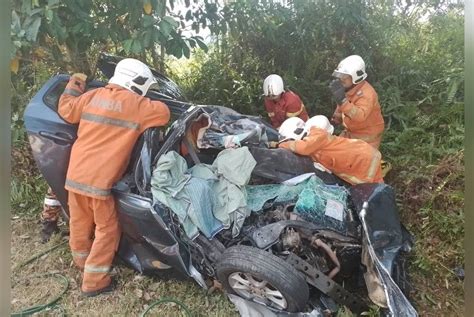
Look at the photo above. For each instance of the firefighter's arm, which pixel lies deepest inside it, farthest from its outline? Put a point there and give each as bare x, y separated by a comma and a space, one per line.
70, 107
313, 142
360, 110
294, 108
154, 114
337, 116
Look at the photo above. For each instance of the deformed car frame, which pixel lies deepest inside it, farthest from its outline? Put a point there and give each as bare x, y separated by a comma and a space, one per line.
279, 259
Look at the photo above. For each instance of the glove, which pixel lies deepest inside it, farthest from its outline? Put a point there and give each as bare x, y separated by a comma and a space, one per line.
272, 144
336, 117
338, 91
80, 76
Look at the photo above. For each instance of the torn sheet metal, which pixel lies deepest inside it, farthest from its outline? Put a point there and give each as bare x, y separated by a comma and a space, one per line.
382, 241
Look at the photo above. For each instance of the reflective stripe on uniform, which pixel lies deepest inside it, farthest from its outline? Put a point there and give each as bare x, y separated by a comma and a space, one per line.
351, 112
295, 114
72, 92
51, 202
106, 120
374, 164
96, 269
79, 254
292, 146
87, 188
366, 137
352, 179
271, 114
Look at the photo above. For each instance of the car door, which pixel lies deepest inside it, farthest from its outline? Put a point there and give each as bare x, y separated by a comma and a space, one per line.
51, 137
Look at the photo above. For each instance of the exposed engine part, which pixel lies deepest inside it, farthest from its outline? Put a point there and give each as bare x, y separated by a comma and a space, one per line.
291, 239
332, 255
327, 286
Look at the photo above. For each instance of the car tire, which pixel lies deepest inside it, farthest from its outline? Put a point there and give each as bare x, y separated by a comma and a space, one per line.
262, 277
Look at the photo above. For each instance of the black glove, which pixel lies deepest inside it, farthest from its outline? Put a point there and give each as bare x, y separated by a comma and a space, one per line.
338, 91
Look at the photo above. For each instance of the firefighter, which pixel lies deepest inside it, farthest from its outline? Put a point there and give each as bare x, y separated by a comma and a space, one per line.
50, 216
358, 108
355, 161
280, 104
110, 121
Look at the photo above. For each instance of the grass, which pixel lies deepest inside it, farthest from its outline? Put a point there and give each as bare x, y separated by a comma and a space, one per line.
134, 294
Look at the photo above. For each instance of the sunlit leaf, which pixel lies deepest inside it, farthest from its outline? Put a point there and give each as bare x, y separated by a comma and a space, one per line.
15, 65
147, 7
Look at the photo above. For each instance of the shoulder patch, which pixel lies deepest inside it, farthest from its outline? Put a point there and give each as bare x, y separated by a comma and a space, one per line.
359, 93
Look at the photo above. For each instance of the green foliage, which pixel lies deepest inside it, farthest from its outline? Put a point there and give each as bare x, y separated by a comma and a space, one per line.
71, 32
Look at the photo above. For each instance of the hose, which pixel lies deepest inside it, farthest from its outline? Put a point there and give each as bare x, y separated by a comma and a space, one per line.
34, 309
65, 281
167, 300
38, 255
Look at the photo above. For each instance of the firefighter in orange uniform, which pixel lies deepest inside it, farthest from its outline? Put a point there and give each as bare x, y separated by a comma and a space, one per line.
353, 160
358, 107
110, 121
280, 104
50, 216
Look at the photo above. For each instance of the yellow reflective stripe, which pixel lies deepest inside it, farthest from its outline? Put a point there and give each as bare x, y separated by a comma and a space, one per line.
366, 137
111, 121
96, 269
87, 188
79, 254
352, 179
292, 146
373, 164
295, 114
72, 92
271, 114
351, 112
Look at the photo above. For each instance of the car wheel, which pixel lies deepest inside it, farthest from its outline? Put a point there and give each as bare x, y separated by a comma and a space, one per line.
262, 277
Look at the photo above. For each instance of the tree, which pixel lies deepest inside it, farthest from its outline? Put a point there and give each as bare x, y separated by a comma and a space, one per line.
72, 32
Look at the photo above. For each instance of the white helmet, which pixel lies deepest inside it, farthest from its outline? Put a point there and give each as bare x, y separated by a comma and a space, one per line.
273, 85
133, 75
321, 122
292, 128
354, 66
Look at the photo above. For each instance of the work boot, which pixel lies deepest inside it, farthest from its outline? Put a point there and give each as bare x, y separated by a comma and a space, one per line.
106, 290
48, 228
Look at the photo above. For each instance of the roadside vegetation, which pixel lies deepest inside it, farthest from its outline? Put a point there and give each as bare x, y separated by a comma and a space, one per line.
415, 57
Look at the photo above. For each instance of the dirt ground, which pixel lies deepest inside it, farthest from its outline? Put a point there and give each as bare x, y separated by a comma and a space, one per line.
134, 295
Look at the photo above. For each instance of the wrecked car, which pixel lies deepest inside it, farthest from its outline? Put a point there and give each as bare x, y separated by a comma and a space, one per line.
304, 240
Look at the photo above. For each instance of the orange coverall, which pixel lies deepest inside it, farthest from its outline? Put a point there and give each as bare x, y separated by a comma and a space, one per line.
353, 160
361, 115
289, 105
110, 121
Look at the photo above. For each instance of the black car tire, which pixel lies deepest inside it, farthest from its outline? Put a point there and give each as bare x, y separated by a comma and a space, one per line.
262, 266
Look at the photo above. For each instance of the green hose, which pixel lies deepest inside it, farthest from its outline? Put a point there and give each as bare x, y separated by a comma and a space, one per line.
65, 281
38, 255
168, 300
34, 309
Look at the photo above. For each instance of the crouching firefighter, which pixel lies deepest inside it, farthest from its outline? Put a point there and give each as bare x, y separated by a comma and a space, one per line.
110, 121
355, 161
280, 104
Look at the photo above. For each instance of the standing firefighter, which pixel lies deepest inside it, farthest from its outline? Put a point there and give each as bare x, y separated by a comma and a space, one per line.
110, 121
280, 104
50, 215
358, 107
